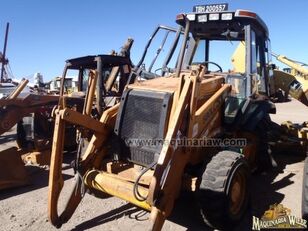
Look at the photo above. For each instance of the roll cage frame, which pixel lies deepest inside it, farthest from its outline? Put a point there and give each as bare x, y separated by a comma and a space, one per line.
250, 28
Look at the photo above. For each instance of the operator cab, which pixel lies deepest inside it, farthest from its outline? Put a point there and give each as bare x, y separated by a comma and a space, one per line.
213, 32
110, 84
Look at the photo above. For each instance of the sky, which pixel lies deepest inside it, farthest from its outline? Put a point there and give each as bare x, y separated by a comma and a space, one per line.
43, 34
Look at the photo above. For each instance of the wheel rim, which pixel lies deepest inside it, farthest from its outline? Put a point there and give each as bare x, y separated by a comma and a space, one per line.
237, 193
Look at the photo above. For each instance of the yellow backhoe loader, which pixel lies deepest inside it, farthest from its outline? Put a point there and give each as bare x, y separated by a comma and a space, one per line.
198, 128
296, 68
292, 80
290, 136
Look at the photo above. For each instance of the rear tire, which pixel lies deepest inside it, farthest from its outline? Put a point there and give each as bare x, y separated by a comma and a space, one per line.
223, 193
305, 191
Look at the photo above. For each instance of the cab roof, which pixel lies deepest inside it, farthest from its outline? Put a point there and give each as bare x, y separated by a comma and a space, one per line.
215, 25
90, 62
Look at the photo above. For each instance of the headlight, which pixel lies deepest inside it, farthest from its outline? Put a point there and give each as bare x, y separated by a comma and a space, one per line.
213, 17
191, 17
202, 18
226, 16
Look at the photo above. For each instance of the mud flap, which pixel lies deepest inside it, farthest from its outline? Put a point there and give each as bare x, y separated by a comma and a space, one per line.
12, 170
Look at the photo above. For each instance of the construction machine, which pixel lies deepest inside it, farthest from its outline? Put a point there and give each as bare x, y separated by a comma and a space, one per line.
289, 81
32, 111
296, 68
40, 105
292, 80
14, 108
288, 136
53, 87
198, 128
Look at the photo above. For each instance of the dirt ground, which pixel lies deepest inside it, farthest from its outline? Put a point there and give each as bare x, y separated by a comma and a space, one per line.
25, 208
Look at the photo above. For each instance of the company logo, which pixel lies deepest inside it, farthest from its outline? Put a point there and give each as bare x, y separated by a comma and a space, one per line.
278, 217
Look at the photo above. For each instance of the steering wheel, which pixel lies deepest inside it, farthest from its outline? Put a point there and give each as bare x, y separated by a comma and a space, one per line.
208, 62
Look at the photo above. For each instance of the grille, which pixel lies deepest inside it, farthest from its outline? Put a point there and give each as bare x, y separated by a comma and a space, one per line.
142, 117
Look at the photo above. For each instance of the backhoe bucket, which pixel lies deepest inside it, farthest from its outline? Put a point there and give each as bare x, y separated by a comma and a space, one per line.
12, 170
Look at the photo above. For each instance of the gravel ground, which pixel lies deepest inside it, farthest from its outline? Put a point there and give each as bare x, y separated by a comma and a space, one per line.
25, 208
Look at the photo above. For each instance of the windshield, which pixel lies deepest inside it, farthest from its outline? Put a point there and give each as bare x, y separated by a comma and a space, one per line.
220, 54
225, 50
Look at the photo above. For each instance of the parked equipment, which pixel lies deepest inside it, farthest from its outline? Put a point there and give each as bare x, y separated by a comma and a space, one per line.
296, 68
292, 80
138, 151
288, 136
32, 111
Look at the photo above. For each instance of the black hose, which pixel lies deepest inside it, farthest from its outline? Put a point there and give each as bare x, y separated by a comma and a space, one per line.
137, 195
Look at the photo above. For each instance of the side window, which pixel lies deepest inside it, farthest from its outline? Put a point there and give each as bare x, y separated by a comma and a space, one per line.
261, 62
258, 64
270, 71
254, 63
269, 57
254, 53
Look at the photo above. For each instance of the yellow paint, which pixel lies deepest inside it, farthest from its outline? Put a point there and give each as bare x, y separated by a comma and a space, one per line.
238, 58
116, 187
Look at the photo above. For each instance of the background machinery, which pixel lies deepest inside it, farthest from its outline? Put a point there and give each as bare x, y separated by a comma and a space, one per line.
292, 80
138, 151
288, 136
296, 68
32, 111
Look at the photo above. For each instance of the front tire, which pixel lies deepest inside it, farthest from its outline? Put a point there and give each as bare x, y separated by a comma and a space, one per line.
223, 193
